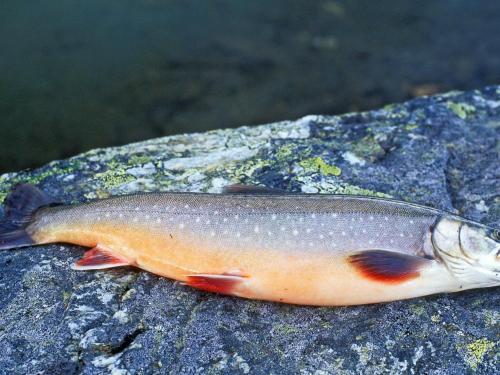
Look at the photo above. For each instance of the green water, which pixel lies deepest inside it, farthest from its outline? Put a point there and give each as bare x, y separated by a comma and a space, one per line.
76, 75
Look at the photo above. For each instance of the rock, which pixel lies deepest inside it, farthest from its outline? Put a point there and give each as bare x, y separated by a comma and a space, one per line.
441, 151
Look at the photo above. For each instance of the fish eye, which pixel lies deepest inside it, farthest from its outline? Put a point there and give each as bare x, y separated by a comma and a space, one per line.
495, 234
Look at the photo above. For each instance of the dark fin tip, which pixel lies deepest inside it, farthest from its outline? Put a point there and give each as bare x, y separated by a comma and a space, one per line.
250, 189
20, 205
223, 284
387, 266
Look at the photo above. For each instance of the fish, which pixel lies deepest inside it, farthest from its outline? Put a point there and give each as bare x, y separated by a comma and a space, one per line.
265, 244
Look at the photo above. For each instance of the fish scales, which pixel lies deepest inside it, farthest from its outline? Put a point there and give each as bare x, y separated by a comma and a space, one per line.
285, 223
295, 248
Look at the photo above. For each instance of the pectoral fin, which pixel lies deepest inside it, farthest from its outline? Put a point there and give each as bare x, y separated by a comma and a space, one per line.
388, 266
99, 258
223, 284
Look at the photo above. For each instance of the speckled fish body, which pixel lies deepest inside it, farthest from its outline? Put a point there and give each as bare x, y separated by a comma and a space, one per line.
302, 249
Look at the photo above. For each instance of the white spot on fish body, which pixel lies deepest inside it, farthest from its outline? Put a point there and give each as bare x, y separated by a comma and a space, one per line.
370, 242
207, 222
282, 228
371, 218
363, 230
411, 221
137, 208
148, 216
308, 230
135, 220
186, 206
158, 220
313, 216
107, 214
311, 244
273, 217
295, 232
181, 226
197, 220
224, 220
330, 233
212, 234
321, 236
238, 234
256, 229
343, 233
334, 215
386, 218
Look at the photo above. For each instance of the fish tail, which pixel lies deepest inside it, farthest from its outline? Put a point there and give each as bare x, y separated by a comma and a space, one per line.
19, 209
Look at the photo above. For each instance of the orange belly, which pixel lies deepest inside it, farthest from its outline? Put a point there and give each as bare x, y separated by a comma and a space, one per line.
299, 278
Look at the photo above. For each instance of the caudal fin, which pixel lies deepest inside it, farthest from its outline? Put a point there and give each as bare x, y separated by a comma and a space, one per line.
19, 207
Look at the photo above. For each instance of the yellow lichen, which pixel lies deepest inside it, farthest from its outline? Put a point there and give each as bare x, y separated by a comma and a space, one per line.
476, 350
462, 110
319, 165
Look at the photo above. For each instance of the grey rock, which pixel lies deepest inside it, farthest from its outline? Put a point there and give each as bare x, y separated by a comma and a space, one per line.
441, 151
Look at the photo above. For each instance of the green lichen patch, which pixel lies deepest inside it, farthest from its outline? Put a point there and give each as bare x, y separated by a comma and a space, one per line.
317, 164
475, 351
368, 148
462, 110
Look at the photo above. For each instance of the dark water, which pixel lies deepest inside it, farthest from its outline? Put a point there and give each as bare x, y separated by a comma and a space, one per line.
75, 75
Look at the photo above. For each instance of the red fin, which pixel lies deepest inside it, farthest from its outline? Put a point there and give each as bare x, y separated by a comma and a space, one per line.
250, 189
223, 284
387, 266
99, 258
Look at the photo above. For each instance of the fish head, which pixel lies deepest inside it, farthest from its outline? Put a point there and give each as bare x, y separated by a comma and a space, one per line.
471, 251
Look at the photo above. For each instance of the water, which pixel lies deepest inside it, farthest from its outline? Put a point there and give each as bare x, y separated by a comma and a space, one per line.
78, 75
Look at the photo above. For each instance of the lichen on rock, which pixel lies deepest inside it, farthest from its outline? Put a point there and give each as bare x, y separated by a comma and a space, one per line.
441, 151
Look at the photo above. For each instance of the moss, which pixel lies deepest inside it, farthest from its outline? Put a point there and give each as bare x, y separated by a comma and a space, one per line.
139, 159
475, 351
114, 177
285, 329
368, 148
417, 309
51, 170
356, 190
410, 127
66, 298
319, 165
462, 110
284, 152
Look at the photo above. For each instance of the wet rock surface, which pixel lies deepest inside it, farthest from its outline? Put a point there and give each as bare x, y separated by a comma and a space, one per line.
440, 151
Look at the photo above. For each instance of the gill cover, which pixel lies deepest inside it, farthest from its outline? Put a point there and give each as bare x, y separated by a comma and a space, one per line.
471, 251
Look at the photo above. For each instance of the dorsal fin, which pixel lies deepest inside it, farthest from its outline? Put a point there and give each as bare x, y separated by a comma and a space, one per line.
250, 189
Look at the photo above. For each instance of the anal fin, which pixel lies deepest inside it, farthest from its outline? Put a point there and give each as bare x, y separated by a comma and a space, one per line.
387, 266
99, 258
223, 284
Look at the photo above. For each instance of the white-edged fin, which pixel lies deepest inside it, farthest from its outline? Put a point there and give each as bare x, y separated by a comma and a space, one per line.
99, 258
